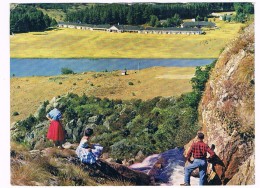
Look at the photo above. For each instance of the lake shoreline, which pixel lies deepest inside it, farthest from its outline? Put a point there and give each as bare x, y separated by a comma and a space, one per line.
53, 66
97, 58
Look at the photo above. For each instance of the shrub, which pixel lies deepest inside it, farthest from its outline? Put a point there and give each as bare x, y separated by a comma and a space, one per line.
60, 83
130, 83
66, 70
15, 114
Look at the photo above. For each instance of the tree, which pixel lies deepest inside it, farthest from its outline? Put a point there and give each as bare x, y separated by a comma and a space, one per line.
199, 18
53, 23
242, 11
154, 21
25, 18
47, 20
224, 18
174, 21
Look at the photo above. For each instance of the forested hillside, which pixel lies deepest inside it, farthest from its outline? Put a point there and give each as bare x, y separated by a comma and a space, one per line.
29, 17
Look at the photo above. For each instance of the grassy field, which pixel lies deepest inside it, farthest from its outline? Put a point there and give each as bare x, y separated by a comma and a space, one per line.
27, 93
73, 43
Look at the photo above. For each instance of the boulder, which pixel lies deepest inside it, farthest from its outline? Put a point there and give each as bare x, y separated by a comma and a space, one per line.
68, 145
13, 126
95, 119
107, 124
245, 174
139, 156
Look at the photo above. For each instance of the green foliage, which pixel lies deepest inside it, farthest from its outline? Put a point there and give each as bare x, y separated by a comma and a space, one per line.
53, 23
70, 114
66, 70
199, 18
174, 21
243, 10
26, 18
154, 21
130, 83
201, 77
141, 13
15, 113
124, 149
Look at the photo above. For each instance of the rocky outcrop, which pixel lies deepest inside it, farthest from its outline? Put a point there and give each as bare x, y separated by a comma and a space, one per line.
99, 172
102, 169
227, 109
245, 174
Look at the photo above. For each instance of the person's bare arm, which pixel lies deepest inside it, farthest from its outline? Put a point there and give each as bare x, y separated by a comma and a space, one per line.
48, 118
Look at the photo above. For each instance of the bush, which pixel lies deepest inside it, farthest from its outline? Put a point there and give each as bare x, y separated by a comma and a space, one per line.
15, 114
130, 83
66, 71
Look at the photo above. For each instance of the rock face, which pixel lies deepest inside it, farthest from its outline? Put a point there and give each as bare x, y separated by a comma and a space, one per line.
245, 174
227, 110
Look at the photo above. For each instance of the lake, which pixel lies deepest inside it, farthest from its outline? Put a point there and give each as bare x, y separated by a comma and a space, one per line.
49, 67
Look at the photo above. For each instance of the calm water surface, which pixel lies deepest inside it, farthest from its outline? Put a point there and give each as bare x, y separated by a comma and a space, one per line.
50, 67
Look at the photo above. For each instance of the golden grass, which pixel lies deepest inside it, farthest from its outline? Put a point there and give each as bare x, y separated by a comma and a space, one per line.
73, 43
28, 92
29, 172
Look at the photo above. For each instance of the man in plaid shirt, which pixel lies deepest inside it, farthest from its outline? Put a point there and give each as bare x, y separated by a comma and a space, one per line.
199, 151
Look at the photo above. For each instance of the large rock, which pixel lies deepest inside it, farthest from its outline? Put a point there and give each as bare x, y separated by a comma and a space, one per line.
107, 124
227, 107
95, 119
245, 174
122, 172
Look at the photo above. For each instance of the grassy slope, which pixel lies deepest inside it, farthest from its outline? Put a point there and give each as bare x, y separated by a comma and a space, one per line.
58, 15
27, 93
73, 43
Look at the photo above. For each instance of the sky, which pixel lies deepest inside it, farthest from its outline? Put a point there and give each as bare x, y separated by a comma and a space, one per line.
5, 76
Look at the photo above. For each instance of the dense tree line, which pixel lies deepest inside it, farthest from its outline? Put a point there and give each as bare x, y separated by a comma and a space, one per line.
25, 18
242, 11
141, 13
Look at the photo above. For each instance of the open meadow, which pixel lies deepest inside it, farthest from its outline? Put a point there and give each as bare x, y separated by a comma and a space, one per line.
28, 92
73, 43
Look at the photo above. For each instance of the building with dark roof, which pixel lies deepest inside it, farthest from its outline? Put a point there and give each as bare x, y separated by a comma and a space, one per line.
125, 28
133, 29
198, 24
172, 30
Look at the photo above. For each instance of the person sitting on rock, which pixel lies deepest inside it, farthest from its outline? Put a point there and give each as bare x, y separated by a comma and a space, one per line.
199, 151
87, 152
